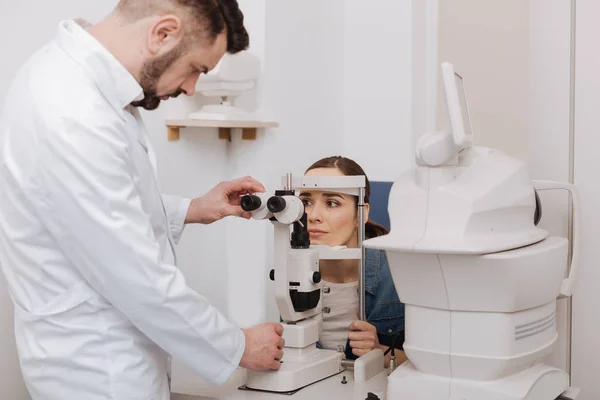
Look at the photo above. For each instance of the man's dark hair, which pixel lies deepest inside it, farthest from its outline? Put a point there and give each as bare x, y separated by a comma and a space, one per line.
215, 16
212, 17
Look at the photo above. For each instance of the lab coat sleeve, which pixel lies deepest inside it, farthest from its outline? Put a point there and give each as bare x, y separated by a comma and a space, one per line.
176, 208
84, 192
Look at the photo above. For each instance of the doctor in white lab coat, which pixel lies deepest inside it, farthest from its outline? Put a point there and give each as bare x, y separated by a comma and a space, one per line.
87, 241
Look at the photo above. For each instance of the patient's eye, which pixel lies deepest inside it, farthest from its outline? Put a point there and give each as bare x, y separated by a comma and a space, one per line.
306, 202
332, 203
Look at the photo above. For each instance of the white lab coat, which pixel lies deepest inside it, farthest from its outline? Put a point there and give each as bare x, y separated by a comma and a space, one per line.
85, 243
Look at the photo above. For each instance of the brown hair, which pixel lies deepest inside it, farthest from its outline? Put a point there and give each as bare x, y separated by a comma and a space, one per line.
213, 17
350, 167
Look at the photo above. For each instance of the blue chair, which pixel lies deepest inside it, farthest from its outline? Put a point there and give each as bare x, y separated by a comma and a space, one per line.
380, 193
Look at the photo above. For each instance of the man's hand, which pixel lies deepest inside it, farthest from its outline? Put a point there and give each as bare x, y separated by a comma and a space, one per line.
363, 338
264, 347
222, 201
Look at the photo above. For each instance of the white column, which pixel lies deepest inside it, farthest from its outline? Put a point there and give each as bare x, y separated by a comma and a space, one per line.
549, 130
586, 297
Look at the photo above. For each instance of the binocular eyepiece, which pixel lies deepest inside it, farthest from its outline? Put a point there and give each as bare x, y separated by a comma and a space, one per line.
284, 207
276, 204
252, 202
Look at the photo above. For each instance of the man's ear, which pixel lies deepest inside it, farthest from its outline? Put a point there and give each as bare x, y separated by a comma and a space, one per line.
165, 34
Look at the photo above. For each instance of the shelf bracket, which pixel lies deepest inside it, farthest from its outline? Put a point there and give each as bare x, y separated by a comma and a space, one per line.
224, 133
173, 132
249, 134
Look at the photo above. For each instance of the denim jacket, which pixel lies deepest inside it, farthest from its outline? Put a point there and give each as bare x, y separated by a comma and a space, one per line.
382, 305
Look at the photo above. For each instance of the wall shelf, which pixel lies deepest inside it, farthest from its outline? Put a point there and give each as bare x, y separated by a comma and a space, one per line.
248, 127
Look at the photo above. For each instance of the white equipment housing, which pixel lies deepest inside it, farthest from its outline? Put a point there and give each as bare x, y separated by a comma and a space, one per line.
479, 280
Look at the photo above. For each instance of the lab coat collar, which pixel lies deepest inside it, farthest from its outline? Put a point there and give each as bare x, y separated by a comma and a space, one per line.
117, 84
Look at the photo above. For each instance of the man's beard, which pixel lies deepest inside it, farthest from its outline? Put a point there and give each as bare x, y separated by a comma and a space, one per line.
149, 76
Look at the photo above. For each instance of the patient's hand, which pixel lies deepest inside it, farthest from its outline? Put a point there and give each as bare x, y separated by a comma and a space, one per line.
363, 338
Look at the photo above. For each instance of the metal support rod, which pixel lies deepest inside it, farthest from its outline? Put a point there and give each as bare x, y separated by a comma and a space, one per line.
288, 178
361, 267
348, 363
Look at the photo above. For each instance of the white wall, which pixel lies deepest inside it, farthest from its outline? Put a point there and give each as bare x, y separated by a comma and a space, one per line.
425, 67
377, 86
549, 78
487, 41
586, 316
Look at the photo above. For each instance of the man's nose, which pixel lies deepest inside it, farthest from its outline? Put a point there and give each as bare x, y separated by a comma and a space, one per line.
189, 87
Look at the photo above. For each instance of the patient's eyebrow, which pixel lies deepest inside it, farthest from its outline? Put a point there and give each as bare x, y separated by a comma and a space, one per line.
333, 195
330, 195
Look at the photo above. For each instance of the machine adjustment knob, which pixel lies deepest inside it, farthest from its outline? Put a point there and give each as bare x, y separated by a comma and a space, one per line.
276, 204
250, 202
272, 275
316, 277
326, 310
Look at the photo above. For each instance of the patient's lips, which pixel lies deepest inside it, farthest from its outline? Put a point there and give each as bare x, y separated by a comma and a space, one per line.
315, 233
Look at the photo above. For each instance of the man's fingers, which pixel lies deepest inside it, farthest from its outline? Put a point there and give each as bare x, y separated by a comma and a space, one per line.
245, 185
281, 344
279, 329
275, 365
279, 355
255, 185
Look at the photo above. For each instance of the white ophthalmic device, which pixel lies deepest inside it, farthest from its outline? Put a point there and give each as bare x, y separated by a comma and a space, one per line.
478, 278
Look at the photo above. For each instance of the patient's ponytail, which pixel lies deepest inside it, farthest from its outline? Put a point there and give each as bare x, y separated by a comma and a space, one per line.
373, 229
350, 167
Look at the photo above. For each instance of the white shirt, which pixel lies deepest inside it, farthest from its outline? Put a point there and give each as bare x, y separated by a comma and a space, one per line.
342, 300
87, 239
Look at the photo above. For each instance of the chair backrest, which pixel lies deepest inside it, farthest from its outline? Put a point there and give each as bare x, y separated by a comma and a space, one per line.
380, 193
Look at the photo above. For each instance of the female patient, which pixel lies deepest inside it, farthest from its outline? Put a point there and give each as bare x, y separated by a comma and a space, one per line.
333, 221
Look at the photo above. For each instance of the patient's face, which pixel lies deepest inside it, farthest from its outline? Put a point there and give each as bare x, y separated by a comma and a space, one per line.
332, 217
